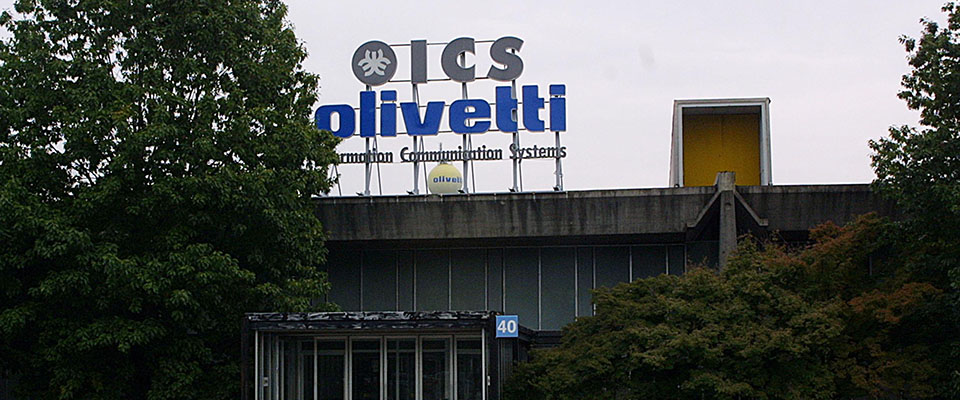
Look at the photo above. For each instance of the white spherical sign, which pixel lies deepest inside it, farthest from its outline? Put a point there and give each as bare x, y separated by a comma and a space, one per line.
444, 179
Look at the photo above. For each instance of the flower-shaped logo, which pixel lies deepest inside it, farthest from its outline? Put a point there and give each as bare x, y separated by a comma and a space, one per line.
374, 63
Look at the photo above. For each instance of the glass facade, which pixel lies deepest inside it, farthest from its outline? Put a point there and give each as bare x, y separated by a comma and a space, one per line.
546, 286
390, 367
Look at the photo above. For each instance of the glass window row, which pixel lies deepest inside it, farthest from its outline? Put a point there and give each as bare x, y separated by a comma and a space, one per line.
546, 286
422, 367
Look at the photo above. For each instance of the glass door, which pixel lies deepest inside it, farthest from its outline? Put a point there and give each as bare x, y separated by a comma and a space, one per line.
304, 386
469, 369
402, 369
365, 369
331, 369
435, 366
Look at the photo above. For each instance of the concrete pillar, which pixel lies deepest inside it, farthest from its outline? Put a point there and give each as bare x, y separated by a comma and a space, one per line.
726, 185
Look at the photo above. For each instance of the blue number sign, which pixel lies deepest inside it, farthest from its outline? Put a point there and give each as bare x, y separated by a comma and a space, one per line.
508, 326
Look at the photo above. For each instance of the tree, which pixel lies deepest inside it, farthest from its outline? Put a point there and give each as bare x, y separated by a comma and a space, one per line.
157, 164
775, 324
919, 168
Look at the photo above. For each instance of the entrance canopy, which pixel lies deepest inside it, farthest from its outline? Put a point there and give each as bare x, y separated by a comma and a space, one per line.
446, 355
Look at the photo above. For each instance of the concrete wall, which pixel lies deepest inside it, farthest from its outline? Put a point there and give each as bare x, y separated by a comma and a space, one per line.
654, 214
801, 207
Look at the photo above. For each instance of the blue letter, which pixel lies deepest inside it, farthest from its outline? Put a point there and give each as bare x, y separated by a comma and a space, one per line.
368, 114
532, 104
431, 119
506, 110
347, 119
459, 116
388, 113
558, 108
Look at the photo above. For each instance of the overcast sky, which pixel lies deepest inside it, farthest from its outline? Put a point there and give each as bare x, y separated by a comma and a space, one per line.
831, 69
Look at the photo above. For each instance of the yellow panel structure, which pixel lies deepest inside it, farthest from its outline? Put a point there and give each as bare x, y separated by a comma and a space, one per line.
715, 143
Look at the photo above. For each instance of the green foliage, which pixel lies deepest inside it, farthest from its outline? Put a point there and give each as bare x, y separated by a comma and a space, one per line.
775, 324
157, 163
919, 168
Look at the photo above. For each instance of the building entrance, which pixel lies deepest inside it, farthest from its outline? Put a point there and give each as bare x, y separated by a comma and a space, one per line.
435, 359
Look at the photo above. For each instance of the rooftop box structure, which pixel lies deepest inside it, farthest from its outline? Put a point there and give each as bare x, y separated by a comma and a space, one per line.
723, 135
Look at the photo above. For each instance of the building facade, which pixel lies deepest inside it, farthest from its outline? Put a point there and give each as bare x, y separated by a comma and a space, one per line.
432, 272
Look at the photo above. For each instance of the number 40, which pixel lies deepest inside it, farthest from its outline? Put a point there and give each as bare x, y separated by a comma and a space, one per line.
507, 326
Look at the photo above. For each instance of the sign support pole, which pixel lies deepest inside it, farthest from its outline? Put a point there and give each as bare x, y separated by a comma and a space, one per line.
516, 142
367, 165
466, 145
416, 162
558, 169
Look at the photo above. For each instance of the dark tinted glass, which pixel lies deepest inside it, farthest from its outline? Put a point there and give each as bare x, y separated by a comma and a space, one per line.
436, 369
469, 370
467, 279
433, 280
401, 369
330, 369
648, 261
405, 283
613, 265
379, 280
521, 269
703, 253
584, 281
343, 272
676, 258
366, 370
558, 297
495, 279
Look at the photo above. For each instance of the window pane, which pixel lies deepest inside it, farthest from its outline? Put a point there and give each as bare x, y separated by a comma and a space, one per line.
676, 266
649, 261
521, 269
469, 370
613, 265
266, 371
401, 369
366, 369
467, 277
306, 370
584, 281
436, 369
433, 280
380, 281
405, 259
558, 302
330, 369
343, 271
700, 254
495, 279
508, 358
292, 380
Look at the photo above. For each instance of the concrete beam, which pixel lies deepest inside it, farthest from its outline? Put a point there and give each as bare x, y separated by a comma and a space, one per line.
522, 217
728, 215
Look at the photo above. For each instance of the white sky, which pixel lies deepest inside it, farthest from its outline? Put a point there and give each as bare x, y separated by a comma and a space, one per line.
831, 69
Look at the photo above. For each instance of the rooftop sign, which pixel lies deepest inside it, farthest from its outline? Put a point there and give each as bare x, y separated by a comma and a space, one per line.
375, 63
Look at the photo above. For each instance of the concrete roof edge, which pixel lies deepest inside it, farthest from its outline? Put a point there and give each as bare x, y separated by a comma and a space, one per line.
587, 194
